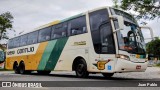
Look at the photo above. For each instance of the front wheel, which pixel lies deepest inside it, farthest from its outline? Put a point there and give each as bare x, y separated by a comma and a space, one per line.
81, 69
107, 75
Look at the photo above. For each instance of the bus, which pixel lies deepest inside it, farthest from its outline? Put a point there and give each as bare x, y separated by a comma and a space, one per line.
104, 40
2, 54
2, 59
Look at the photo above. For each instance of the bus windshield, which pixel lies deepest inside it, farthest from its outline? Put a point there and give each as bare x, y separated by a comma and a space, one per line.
130, 39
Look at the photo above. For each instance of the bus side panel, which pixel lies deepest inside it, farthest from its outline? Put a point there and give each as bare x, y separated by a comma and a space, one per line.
46, 54
30, 57
76, 46
52, 54
10, 61
11, 57
34, 59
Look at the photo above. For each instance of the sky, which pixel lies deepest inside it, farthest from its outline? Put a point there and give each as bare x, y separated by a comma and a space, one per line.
30, 14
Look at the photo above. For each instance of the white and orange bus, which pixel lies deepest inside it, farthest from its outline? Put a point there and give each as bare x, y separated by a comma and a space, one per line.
104, 40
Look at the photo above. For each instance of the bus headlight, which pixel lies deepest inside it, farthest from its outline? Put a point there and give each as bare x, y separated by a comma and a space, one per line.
123, 56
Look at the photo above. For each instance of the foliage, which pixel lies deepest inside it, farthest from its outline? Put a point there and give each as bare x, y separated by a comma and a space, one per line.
5, 25
147, 9
153, 47
115, 4
158, 65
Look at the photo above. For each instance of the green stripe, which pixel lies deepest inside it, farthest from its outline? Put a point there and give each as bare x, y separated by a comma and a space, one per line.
46, 54
67, 19
55, 54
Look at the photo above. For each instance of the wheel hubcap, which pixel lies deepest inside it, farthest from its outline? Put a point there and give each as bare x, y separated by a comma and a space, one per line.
80, 68
21, 69
16, 68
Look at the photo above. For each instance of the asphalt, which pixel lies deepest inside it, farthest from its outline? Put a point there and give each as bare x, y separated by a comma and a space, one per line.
68, 81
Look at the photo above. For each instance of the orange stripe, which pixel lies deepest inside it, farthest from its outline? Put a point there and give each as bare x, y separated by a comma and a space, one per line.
31, 61
35, 58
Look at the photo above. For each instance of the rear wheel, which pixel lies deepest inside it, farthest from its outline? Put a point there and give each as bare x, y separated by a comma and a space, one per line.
16, 68
81, 69
44, 72
107, 75
22, 68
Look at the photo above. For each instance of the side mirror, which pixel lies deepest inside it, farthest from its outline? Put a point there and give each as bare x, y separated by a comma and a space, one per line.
150, 29
120, 22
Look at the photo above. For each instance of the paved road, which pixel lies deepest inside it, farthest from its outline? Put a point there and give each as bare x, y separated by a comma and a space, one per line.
151, 74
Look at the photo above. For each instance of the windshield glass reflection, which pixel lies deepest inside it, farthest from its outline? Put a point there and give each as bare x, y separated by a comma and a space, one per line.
131, 39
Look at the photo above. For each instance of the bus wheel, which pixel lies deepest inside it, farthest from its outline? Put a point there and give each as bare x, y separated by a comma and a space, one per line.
22, 68
16, 68
81, 69
107, 75
43, 72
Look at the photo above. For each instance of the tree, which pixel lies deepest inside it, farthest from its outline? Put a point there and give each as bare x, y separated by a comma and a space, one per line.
5, 25
147, 9
153, 47
115, 4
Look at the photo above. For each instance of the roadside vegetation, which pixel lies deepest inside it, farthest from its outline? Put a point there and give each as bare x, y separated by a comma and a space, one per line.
158, 65
153, 47
6, 20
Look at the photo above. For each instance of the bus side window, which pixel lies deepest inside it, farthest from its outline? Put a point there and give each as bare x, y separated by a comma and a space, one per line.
16, 42
107, 39
23, 40
101, 32
77, 26
44, 34
59, 31
32, 38
10, 44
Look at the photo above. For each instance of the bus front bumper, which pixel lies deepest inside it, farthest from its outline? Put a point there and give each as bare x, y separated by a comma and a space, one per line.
128, 66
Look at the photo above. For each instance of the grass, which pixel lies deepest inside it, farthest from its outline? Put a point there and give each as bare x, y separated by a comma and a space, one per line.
158, 65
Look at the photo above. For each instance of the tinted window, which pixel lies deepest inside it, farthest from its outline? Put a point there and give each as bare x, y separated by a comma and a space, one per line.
106, 39
44, 34
10, 44
77, 26
59, 31
101, 32
32, 37
97, 18
23, 40
16, 42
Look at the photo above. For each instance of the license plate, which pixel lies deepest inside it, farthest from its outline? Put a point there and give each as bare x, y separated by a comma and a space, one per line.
138, 67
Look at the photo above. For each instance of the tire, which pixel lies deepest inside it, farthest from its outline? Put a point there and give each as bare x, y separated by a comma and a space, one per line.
44, 72
16, 68
81, 69
22, 68
107, 75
